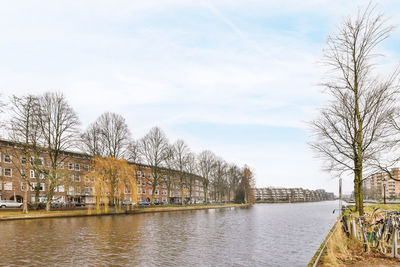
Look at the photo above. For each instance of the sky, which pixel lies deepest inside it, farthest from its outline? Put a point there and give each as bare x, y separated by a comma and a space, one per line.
239, 77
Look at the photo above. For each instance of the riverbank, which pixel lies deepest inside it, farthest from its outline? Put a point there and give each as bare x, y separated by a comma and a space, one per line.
338, 250
42, 214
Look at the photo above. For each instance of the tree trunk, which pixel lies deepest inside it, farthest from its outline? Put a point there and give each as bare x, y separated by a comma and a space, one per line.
182, 195
153, 192
169, 194
25, 202
361, 201
205, 194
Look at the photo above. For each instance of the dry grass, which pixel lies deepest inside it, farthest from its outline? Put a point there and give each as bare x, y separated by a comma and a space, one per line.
343, 251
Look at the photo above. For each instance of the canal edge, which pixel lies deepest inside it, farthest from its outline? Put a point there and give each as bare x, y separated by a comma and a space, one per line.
317, 256
134, 212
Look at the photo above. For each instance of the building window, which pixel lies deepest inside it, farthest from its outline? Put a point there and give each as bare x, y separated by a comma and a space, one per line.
8, 172
7, 159
156, 192
71, 177
70, 190
41, 175
32, 174
77, 167
77, 178
23, 160
60, 188
78, 190
34, 186
70, 166
8, 186
143, 191
61, 165
86, 167
40, 161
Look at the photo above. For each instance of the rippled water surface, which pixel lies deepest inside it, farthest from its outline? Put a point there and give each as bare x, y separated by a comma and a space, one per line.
263, 235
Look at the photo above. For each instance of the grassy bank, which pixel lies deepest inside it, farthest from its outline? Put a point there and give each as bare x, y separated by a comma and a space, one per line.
343, 251
41, 214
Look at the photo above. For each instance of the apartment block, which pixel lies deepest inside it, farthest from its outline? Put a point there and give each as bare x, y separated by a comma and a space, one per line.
291, 194
74, 183
377, 184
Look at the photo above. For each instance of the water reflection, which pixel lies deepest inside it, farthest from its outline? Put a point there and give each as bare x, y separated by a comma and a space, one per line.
264, 235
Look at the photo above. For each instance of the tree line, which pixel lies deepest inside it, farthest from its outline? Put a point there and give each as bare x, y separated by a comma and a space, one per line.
47, 124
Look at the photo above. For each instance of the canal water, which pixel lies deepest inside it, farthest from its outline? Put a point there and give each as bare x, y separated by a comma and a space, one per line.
262, 235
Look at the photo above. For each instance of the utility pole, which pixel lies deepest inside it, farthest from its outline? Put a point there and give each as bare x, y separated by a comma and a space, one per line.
384, 193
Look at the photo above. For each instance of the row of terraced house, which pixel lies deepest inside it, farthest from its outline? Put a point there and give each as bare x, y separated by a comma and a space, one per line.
76, 185
292, 194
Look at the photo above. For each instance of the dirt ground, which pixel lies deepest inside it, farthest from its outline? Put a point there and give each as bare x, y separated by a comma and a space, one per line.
342, 251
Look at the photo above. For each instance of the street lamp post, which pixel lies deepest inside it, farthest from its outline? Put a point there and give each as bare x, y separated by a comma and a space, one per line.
384, 193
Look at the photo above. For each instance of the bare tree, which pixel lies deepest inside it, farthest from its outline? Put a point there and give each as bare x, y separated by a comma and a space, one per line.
233, 180
168, 173
206, 163
58, 123
191, 168
180, 161
245, 192
133, 152
24, 131
91, 142
354, 127
219, 179
108, 136
154, 151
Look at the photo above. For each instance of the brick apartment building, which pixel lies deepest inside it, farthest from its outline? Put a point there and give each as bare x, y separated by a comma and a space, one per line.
291, 194
75, 184
377, 183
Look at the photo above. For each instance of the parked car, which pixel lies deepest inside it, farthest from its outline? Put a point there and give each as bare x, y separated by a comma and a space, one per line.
78, 204
57, 204
128, 203
158, 203
10, 204
144, 203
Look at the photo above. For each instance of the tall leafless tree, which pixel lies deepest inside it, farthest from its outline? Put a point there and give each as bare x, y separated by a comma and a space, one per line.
108, 136
191, 168
59, 127
219, 179
133, 153
154, 149
24, 131
233, 180
354, 127
180, 161
168, 174
206, 163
